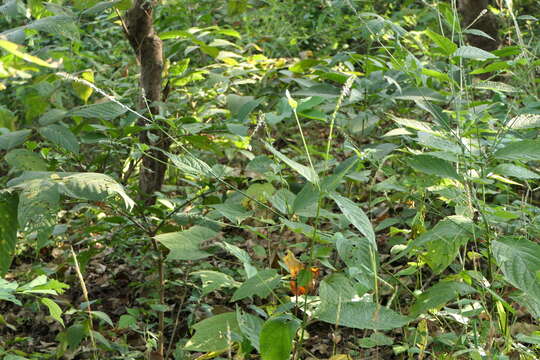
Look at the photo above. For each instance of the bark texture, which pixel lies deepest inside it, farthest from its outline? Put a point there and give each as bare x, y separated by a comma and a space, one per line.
469, 10
148, 49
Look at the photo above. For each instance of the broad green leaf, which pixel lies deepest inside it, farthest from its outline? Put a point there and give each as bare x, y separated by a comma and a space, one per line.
100, 7
276, 339
474, 53
356, 216
305, 171
251, 326
519, 261
525, 121
7, 290
446, 45
84, 91
216, 333
260, 284
14, 49
107, 110
61, 136
362, 315
38, 203
185, 245
127, 321
304, 65
437, 142
235, 213
93, 186
516, 171
359, 253
13, 139
190, 165
103, 316
434, 166
23, 159
54, 310
322, 90
438, 295
241, 255
52, 116
443, 241
525, 150
74, 334
213, 280
8, 230
305, 202
336, 289
420, 94
496, 86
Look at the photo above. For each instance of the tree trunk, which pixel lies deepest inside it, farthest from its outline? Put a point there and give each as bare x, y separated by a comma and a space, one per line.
469, 11
148, 49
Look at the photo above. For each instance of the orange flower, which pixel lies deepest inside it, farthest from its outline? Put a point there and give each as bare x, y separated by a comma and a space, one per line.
295, 268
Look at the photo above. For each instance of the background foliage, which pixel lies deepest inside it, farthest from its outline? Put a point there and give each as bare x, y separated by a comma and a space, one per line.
347, 179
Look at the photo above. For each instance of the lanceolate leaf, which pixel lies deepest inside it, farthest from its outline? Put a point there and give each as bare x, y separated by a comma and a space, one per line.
474, 53
439, 295
305, 171
356, 216
108, 111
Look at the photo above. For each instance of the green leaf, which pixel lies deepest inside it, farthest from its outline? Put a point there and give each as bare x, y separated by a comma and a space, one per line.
54, 310
235, 213
213, 280
443, 241
305, 171
184, 245
516, 171
447, 46
38, 204
276, 339
474, 53
13, 49
127, 321
303, 65
103, 316
525, 121
322, 90
8, 230
519, 261
251, 326
260, 284
305, 202
24, 159
336, 289
438, 295
216, 333
52, 116
84, 91
107, 111
75, 333
356, 216
241, 255
61, 136
525, 150
13, 139
362, 315
359, 253
93, 186
7, 289
434, 166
